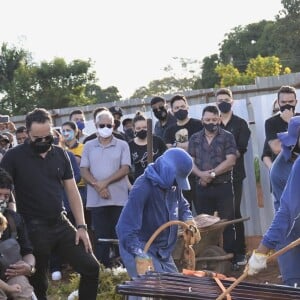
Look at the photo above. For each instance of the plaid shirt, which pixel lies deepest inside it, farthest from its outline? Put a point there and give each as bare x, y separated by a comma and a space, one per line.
208, 156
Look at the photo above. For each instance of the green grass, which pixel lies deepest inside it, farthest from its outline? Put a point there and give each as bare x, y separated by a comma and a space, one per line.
108, 280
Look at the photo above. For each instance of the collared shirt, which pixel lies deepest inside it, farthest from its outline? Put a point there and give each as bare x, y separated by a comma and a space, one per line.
241, 132
208, 156
38, 180
103, 161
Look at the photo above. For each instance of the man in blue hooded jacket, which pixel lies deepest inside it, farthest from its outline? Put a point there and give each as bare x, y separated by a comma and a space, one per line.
285, 227
155, 199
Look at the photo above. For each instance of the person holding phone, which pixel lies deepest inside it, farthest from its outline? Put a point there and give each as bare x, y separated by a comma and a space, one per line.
6, 125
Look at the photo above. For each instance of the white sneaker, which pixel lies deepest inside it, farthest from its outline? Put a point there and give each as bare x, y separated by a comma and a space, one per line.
56, 275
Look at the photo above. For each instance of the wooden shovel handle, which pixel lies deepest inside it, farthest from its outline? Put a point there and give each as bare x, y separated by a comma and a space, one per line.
245, 273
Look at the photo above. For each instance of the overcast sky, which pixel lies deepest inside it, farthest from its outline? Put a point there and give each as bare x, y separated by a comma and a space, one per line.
130, 41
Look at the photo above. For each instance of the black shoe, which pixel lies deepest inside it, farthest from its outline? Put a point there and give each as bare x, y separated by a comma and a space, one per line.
240, 259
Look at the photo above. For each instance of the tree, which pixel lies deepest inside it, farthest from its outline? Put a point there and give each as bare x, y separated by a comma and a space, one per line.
209, 77
62, 85
257, 67
98, 95
10, 61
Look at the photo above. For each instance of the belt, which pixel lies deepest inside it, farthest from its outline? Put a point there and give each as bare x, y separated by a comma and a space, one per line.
218, 183
47, 222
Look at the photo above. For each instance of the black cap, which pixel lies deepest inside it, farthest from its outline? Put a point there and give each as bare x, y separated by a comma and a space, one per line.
116, 110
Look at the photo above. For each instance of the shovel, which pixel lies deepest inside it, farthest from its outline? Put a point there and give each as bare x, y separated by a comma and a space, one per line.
245, 273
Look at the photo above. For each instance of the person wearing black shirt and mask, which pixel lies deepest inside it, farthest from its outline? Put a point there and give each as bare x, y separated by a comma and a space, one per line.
287, 101
165, 118
241, 132
178, 134
138, 146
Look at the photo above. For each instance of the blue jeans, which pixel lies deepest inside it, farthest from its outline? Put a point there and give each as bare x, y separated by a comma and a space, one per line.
60, 234
279, 174
104, 220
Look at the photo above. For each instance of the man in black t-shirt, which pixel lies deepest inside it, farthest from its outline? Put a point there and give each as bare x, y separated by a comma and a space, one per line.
178, 134
287, 101
241, 132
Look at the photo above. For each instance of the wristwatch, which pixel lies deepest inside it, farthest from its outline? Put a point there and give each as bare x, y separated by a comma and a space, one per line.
83, 226
32, 269
213, 174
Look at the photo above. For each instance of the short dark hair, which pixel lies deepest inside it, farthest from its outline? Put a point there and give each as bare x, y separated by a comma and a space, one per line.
75, 112
157, 99
21, 129
38, 115
176, 98
224, 91
98, 110
212, 109
286, 89
6, 181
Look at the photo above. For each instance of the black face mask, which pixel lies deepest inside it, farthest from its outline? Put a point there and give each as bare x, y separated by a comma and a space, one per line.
181, 114
117, 124
42, 147
224, 107
288, 107
129, 133
160, 114
211, 127
142, 134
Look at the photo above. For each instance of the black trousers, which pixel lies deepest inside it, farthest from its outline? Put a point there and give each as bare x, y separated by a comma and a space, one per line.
220, 198
59, 235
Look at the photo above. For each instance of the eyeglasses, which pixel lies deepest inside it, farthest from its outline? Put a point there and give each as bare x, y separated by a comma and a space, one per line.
46, 138
105, 125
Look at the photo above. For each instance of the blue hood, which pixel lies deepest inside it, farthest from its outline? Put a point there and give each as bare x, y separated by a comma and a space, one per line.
174, 164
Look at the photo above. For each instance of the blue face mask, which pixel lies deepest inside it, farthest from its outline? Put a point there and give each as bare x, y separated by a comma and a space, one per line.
68, 135
80, 125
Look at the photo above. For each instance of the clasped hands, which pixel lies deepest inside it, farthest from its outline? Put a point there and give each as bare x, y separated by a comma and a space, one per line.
101, 187
205, 178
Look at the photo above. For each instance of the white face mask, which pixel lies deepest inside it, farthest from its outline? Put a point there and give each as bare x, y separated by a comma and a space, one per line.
3, 205
105, 132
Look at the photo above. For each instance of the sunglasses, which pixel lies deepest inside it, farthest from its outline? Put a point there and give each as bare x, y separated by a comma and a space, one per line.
105, 125
46, 138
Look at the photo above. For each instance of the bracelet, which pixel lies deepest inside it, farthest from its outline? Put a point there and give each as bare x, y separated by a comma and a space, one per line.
83, 226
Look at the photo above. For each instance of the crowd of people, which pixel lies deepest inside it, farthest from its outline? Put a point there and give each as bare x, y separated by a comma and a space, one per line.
74, 194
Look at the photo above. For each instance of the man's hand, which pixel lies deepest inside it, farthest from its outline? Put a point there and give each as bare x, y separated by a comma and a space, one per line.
287, 114
82, 234
100, 185
17, 269
14, 288
257, 262
143, 264
194, 228
105, 194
